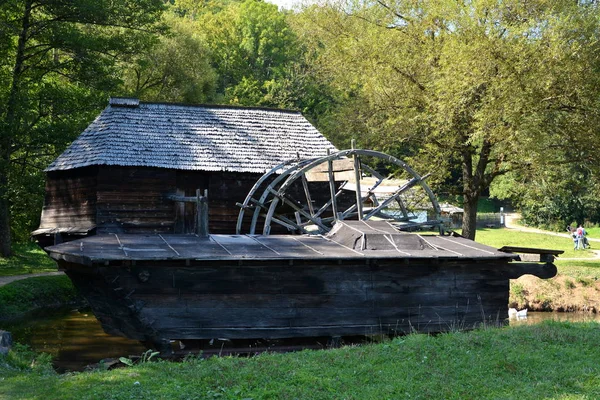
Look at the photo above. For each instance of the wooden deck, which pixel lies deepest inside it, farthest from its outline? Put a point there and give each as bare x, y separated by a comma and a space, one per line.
112, 247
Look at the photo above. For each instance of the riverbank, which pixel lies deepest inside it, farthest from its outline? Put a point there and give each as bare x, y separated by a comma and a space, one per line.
26, 296
576, 287
505, 363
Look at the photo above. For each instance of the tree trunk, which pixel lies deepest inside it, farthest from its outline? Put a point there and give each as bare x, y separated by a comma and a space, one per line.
469, 222
5, 240
8, 132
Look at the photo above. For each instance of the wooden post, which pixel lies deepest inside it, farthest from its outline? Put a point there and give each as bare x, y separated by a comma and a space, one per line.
179, 212
332, 188
202, 213
359, 206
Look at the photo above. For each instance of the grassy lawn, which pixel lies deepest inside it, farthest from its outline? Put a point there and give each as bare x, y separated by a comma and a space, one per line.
593, 232
509, 237
28, 258
547, 361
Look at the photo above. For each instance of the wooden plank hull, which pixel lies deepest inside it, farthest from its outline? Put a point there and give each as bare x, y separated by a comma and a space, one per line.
353, 282
168, 300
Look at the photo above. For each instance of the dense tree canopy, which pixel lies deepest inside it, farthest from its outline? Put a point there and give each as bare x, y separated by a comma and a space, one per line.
484, 94
487, 86
57, 62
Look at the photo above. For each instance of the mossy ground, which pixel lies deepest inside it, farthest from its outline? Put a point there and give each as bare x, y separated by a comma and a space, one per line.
24, 296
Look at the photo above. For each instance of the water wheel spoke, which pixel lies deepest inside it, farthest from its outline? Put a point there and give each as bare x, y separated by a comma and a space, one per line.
395, 195
303, 205
306, 215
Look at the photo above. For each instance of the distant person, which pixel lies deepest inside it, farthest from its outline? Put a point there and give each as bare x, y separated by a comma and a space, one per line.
573, 233
581, 237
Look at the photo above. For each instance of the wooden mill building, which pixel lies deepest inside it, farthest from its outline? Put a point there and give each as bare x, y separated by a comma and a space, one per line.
125, 171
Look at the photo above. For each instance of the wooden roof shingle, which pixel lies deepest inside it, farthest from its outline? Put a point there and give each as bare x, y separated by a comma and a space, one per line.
189, 137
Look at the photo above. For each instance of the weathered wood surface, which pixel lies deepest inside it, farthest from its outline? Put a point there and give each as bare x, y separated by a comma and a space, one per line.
140, 200
70, 199
160, 287
164, 300
115, 247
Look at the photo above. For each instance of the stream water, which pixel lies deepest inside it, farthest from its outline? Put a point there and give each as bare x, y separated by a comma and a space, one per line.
75, 339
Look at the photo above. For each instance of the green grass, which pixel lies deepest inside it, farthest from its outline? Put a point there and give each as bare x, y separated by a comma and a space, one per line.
547, 361
510, 237
593, 232
21, 297
28, 258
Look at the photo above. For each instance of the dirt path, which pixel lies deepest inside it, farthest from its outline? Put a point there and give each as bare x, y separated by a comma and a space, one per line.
4, 280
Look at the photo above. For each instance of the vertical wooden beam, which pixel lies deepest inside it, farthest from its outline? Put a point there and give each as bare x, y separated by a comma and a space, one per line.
359, 206
307, 194
202, 213
332, 188
179, 213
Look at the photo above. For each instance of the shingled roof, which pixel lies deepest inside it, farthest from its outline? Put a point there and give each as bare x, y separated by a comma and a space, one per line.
208, 138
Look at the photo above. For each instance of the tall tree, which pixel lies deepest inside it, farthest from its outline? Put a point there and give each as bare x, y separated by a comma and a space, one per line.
251, 45
57, 62
471, 82
177, 69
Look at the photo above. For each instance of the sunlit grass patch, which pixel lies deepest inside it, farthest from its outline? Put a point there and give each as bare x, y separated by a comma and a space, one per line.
28, 258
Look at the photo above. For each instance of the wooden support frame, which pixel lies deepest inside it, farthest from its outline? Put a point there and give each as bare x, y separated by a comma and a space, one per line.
201, 201
285, 175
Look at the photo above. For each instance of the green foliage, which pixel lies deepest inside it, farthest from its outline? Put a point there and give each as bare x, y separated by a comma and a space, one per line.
27, 295
177, 69
22, 360
469, 90
126, 361
555, 197
585, 282
569, 284
147, 356
58, 63
508, 363
517, 294
28, 258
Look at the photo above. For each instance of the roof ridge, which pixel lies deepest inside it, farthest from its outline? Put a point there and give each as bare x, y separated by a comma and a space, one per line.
117, 101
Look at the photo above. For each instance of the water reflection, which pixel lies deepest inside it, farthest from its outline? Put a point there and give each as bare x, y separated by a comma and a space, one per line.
75, 339
537, 317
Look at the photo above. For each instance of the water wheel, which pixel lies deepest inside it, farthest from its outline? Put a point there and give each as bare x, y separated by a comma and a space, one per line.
309, 196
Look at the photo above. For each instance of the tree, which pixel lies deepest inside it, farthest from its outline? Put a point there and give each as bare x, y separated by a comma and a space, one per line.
251, 45
177, 69
480, 83
57, 63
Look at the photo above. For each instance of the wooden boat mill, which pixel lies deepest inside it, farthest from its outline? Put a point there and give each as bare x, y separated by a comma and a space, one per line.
141, 209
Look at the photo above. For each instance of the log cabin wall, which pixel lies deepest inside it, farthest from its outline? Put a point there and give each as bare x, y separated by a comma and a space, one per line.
70, 199
135, 199
224, 191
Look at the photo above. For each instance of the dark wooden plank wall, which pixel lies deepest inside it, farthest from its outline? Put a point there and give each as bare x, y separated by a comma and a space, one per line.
277, 301
134, 199
225, 190
70, 199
